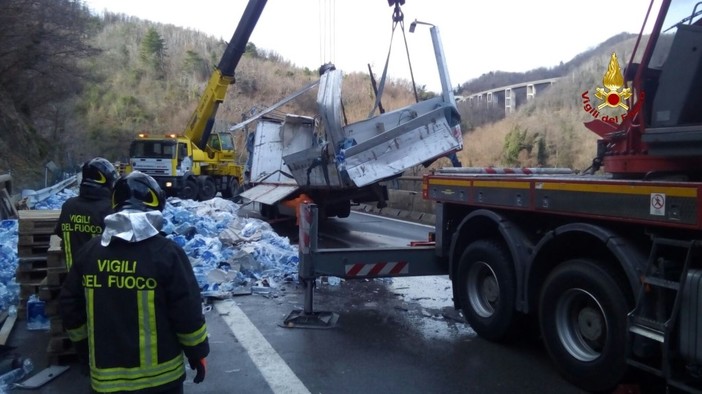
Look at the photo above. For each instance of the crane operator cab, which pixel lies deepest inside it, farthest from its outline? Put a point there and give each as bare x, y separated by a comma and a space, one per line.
672, 83
221, 144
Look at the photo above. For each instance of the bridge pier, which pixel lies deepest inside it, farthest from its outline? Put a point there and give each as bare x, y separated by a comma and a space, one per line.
512, 95
510, 101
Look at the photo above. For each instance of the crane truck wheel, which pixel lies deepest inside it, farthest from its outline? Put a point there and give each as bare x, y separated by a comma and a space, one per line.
190, 189
487, 289
232, 189
582, 314
208, 188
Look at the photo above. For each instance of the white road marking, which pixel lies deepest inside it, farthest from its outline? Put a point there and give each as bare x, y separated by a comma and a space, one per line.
277, 373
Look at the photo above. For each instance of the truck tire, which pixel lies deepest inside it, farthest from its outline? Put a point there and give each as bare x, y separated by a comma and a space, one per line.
208, 188
487, 290
269, 211
342, 209
582, 314
190, 189
232, 190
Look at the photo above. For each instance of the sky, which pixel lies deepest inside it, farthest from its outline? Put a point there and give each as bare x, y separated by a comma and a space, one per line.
478, 36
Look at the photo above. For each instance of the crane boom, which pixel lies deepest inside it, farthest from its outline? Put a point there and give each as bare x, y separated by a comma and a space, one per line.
201, 122
199, 162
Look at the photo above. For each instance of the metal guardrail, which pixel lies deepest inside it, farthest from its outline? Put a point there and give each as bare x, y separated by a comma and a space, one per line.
33, 197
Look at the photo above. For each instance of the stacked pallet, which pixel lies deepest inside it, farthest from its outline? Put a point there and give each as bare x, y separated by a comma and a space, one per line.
60, 350
34, 233
41, 271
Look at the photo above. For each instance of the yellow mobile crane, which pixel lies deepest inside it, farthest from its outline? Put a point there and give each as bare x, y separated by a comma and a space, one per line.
199, 163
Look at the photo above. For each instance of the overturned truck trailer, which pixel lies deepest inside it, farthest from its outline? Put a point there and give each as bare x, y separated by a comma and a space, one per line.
336, 164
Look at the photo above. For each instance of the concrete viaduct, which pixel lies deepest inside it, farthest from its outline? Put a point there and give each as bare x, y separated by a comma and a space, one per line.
512, 96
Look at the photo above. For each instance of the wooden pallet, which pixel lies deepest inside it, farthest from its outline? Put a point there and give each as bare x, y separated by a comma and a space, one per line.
32, 250
32, 278
49, 293
34, 239
55, 258
27, 290
56, 276
37, 221
60, 349
31, 263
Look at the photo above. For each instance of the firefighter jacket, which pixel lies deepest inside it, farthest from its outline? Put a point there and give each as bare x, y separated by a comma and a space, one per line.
82, 218
138, 304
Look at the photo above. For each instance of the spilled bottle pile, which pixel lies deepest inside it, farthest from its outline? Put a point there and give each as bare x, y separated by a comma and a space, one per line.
229, 254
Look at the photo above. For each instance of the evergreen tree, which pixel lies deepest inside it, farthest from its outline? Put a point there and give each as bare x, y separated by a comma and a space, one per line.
195, 64
152, 50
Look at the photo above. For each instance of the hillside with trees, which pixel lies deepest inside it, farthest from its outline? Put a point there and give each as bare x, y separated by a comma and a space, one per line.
41, 44
547, 131
74, 86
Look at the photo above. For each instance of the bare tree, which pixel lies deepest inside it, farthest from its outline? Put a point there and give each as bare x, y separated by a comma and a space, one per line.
41, 42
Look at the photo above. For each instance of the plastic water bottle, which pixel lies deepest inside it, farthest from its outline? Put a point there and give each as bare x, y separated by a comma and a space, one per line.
36, 317
8, 379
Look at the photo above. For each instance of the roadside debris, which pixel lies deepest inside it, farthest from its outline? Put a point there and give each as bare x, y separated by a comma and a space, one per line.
230, 255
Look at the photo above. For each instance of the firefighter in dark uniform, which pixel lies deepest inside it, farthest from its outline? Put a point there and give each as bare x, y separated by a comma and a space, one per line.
131, 300
82, 217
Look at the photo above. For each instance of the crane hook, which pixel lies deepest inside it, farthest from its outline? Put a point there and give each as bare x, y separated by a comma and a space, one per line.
397, 15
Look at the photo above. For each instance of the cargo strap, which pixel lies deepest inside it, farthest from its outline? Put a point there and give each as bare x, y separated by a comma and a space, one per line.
397, 18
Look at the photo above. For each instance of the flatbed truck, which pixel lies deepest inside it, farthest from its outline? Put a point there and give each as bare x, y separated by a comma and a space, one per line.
607, 263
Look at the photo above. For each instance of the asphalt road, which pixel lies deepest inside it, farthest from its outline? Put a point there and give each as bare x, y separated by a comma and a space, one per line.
392, 336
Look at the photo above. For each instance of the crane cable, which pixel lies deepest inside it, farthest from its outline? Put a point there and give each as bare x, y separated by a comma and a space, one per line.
327, 31
397, 18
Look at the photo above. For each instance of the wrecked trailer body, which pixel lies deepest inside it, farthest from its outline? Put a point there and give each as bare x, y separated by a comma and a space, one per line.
335, 164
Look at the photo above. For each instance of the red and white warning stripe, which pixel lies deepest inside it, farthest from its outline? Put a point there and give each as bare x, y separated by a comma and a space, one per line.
389, 268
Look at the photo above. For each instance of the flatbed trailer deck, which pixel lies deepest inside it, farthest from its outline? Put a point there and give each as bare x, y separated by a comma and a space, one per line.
609, 268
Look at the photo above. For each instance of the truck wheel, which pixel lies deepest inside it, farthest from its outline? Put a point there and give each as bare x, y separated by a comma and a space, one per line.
190, 189
208, 188
269, 211
487, 289
232, 189
583, 323
343, 209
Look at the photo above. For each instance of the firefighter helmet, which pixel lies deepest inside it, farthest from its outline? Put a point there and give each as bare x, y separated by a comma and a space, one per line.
138, 191
99, 172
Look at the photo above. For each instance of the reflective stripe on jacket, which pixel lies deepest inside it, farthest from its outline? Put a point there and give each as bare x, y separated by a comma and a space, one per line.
139, 306
82, 218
